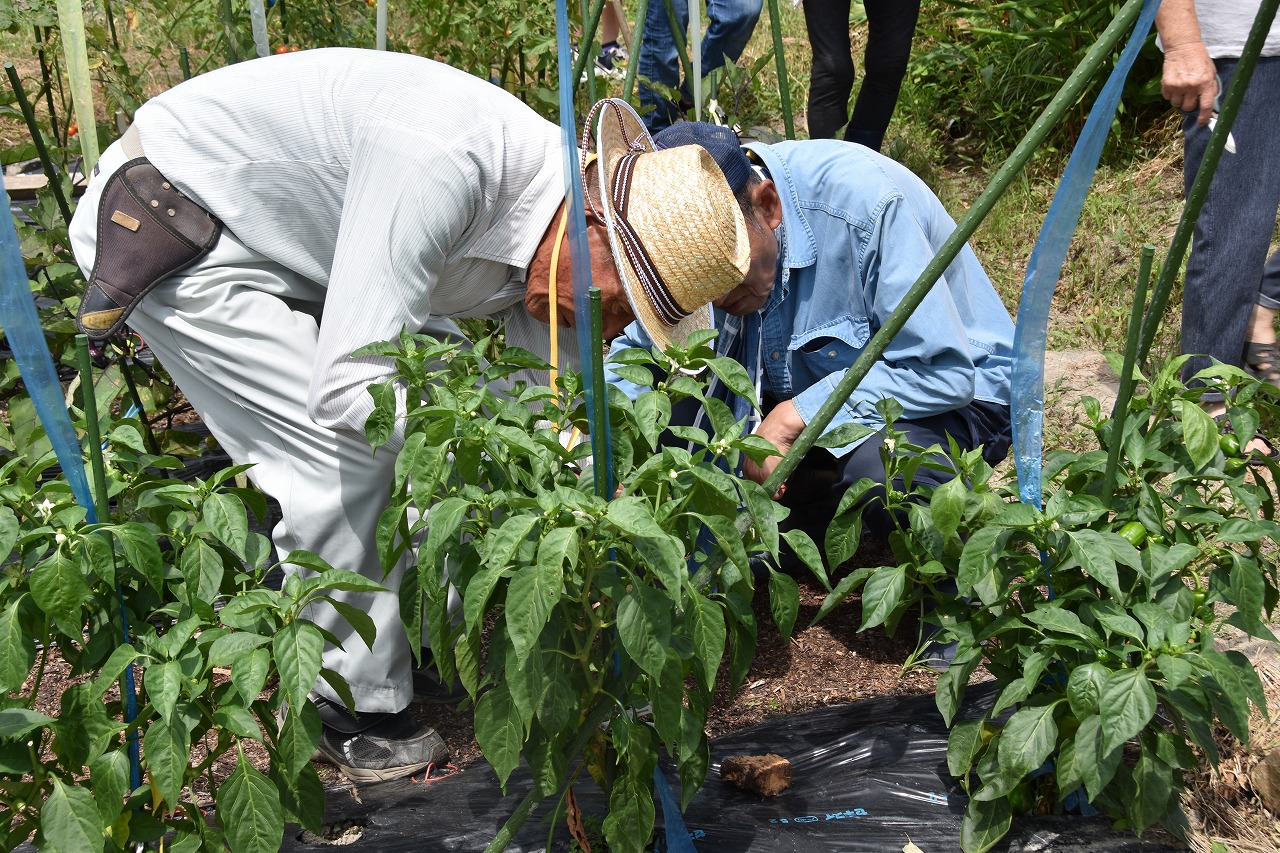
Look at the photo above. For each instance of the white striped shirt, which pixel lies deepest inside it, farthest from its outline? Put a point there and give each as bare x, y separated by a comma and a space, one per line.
399, 188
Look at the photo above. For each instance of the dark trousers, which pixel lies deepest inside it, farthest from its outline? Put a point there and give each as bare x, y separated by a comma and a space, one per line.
891, 24
1228, 270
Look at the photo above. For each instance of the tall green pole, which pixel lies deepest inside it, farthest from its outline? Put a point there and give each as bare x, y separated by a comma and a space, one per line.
780, 62
603, 465
1120, 413
637, 39
585, 50
93, 436
71, 24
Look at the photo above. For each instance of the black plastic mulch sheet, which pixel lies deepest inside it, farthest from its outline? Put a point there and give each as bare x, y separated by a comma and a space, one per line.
865, 777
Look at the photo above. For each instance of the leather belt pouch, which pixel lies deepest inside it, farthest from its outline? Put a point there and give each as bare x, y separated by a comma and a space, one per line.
147, 231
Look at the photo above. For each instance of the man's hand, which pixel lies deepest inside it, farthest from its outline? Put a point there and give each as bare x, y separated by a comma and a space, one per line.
1190, 81
782, 426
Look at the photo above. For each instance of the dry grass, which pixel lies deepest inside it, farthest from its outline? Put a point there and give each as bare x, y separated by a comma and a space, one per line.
1221, 803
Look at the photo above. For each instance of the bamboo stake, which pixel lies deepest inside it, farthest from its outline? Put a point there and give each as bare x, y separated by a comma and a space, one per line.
71, 24
29, 115
695, 55
102, 508
637, 40
603, 465
380, 21
780, 62
589, 25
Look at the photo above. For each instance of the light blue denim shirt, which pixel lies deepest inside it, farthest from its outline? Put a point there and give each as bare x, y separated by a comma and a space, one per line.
857, 230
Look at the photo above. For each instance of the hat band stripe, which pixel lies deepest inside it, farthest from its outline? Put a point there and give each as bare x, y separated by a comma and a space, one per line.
664, 304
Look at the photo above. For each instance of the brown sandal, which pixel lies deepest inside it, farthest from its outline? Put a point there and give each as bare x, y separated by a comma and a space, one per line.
1263, 361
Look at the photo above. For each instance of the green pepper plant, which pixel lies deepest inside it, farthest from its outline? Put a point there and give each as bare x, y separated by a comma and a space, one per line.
592, 626
1097, 614
217, 661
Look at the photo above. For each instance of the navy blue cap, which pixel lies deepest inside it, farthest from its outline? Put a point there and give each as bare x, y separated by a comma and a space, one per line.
721, 143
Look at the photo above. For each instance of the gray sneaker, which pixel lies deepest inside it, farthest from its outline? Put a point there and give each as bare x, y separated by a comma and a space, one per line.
376, 747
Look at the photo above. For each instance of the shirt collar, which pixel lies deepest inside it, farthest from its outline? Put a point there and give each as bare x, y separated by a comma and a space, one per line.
800, 249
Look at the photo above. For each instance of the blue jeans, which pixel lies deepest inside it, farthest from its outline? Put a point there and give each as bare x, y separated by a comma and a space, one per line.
1228, 271
732, 22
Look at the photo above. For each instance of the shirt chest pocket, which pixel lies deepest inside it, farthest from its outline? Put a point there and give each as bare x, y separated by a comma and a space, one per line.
829, 347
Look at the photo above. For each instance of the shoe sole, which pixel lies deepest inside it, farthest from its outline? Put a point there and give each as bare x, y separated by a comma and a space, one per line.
360, 777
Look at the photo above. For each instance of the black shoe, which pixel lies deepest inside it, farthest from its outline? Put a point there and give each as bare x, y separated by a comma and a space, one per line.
375, 747
429, 689
933, 654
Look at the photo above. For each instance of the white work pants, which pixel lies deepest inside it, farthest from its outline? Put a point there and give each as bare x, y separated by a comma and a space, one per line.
237, 332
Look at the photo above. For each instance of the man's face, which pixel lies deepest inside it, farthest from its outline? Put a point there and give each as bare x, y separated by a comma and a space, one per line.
754, 291
615, 309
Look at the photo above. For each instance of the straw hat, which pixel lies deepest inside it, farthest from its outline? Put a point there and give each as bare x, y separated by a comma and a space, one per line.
678, 236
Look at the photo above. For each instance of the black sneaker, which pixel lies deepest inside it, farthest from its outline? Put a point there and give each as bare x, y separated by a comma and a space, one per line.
376, 747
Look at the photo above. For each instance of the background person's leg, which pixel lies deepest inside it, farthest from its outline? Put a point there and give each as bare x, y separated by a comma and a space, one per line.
832, 74
891, 25
731, 24
1233, 233
659, 62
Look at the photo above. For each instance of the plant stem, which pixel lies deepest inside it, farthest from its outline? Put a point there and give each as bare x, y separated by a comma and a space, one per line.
1120, 412
147, 434
41, 39
586, 48
229, 31
46, 162
111, 24
521, 814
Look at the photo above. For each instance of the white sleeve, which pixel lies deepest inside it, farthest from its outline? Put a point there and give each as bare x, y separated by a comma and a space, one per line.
399, 223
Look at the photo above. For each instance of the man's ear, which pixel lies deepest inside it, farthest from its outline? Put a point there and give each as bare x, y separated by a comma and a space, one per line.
764, 198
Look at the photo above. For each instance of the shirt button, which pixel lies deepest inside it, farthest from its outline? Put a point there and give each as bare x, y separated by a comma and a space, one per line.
831, 353
773, 355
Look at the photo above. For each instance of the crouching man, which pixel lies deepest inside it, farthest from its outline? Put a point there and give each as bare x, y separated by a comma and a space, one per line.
838, 235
